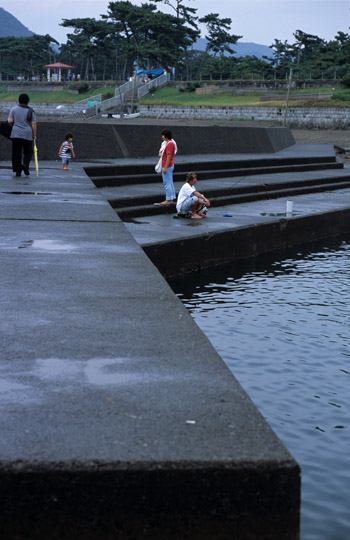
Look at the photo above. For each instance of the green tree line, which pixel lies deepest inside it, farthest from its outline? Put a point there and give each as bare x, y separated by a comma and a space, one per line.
25, 56
128, 37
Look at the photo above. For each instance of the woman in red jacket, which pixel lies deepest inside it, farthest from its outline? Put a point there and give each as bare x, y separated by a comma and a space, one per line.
168, 166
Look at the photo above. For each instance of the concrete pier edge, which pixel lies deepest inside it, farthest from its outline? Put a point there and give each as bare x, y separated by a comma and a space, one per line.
180, 256
107, 432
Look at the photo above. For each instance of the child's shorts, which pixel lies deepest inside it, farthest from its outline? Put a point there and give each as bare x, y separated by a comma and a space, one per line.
65, 160
187, 205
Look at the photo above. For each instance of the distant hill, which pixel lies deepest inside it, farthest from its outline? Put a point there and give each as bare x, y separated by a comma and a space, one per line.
10, 26
241, 49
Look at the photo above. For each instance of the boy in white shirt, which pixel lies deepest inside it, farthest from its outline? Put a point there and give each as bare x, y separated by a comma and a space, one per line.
190, 200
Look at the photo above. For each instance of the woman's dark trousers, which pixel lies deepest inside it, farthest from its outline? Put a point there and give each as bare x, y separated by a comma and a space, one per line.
21, 147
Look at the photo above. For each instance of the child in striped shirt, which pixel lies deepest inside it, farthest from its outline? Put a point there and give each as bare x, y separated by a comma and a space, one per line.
66, 151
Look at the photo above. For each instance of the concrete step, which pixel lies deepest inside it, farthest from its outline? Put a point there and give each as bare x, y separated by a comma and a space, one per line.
149, 209
111, 181
204, 163
145, 174
127, 208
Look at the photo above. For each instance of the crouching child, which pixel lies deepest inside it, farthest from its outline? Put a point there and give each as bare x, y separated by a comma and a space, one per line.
190, 201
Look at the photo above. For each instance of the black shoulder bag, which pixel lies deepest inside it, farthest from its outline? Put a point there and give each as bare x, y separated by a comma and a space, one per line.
6, 128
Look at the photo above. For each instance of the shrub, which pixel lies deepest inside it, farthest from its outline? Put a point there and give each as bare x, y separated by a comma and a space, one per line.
81, 86
190, 87
342, 95
346, 81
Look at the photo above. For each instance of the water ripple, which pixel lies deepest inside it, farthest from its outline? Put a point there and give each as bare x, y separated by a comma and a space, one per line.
282, 325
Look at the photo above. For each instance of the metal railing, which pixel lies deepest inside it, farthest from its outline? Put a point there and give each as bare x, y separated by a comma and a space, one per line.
155, 83
87, 103
111, 102
119, 95
126, 87
85, 108
95, 106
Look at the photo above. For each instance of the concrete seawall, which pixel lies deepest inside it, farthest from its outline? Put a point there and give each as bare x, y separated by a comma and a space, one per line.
113, 141
183, 255
119, 419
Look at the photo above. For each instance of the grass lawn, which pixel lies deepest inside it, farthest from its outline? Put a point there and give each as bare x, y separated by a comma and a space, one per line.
172, 96
57, 96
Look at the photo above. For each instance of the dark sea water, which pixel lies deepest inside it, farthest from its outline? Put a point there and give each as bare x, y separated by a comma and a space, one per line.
281, 322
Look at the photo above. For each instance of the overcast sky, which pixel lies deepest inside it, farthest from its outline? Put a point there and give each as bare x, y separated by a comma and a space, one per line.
259, 21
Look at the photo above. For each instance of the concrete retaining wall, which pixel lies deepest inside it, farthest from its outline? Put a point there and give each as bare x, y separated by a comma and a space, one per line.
112, 141
322, 117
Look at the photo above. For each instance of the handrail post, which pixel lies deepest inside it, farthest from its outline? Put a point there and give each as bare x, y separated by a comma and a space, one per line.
287, 99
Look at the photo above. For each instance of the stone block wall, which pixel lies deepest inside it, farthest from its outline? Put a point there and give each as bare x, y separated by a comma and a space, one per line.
41, 109
313, 117
316, 117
